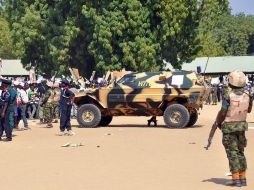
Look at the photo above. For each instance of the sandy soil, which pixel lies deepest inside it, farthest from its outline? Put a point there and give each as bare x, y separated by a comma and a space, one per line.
127, 155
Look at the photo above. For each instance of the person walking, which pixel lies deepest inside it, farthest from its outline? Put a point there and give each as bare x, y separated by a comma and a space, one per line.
22, 103
231, 119
5, 111
65, 102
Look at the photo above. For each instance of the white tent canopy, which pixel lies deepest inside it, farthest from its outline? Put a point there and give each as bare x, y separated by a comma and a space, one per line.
12, 68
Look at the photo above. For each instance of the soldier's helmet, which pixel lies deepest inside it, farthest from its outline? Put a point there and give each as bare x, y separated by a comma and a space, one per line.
237, 78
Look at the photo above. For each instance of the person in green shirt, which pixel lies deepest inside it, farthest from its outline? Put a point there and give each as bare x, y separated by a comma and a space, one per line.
32, 106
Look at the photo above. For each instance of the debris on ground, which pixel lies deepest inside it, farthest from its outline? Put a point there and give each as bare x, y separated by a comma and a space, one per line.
228, 174
72, 145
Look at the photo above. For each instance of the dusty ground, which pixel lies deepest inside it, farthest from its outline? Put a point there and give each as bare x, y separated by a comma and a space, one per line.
125, 156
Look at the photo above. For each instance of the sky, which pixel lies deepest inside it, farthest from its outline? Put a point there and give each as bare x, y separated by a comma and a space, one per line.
245, 6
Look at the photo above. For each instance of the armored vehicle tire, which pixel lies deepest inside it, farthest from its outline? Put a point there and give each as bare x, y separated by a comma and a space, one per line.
89, 115
105, 120
176, 116
193, 118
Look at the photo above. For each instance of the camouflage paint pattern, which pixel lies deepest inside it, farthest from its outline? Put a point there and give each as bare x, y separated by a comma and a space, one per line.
230, 127
234, 144
51, 108
144, 94
55, 110
48, 112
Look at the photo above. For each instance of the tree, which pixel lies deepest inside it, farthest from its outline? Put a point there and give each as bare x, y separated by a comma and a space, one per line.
123, 36
139, 34
5, 41
230, 35
135, 34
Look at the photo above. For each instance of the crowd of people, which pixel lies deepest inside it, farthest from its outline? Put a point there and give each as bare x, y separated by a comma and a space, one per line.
218, 88
44, 100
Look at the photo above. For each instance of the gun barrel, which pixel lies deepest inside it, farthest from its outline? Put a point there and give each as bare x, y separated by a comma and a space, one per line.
211, 134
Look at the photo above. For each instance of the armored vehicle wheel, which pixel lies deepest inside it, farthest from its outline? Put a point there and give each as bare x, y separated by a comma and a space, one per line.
89, 115
193, 118
176, 116
105, 120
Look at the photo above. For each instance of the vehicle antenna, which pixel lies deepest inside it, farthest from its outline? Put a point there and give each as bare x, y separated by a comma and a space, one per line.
206, 67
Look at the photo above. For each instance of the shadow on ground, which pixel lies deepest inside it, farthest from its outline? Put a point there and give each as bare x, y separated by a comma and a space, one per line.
144, 126
219, 181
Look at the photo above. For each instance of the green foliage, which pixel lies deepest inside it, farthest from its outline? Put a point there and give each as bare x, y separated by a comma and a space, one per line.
230, 35
5, 40
122, 36
108, 35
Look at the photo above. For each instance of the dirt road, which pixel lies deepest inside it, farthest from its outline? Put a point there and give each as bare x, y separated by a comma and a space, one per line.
128, 155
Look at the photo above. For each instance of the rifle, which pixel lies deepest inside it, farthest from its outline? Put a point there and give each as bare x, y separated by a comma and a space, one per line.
211, 134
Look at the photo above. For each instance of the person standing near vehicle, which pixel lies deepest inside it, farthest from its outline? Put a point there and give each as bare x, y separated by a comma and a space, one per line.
65, 102
236, 103
5, 111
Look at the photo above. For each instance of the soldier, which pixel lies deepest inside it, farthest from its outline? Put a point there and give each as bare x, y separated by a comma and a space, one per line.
42, 89
65, 103
232, 121
55, 103
47, 105
5, 111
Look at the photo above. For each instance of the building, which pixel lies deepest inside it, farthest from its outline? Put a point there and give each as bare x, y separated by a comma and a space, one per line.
13, 68
220, 65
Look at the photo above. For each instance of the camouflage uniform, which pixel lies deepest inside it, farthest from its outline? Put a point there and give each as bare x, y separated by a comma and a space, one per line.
234, 139
55, 103
47, 108
42, 91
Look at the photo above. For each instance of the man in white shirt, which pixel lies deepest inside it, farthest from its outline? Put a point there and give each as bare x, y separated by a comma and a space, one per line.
22, 103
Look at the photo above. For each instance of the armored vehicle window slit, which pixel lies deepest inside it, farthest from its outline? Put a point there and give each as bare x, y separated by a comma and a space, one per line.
127, 79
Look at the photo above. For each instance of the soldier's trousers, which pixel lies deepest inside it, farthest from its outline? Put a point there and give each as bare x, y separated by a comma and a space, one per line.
65, 118
55, 109
234, 144
40, 112
48, 112
5, 126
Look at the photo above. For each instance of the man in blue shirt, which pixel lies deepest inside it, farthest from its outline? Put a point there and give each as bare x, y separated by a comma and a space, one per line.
5, 101
65, 103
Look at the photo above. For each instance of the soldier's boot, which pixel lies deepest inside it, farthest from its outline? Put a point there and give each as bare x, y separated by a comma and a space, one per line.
49, 125
55, 121
149, 122
242, 176
235, 180
153, 119
41, 121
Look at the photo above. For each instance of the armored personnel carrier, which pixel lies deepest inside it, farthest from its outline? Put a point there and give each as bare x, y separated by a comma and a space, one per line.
177, 96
